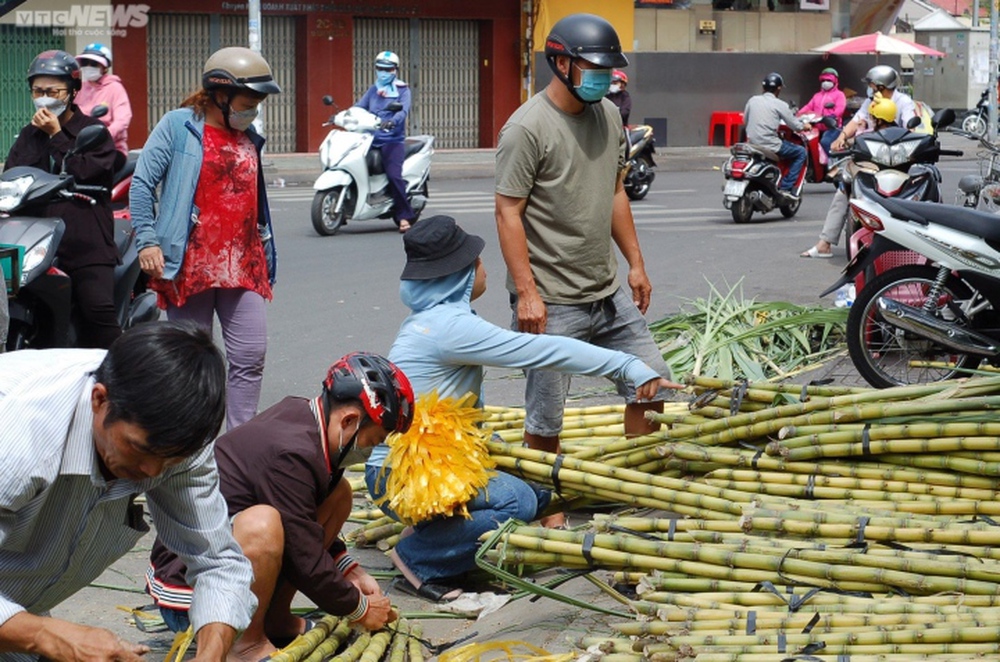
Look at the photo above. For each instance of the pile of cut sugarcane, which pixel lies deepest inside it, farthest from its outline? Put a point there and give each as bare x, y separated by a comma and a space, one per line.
398, 642
810, 521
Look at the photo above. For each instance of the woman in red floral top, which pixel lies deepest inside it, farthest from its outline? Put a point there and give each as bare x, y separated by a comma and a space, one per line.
211, 261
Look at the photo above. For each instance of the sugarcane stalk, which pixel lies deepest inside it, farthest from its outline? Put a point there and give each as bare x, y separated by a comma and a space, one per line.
328, 647
414, 650
304, 643
355, 650
377, 646
910, 486
370, 536
400, 640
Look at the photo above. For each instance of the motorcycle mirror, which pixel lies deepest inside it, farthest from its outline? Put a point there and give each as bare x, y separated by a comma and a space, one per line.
828, 122
99, 111
914, 123
88, 138
327, 100
828, 104
943, 118
395, 107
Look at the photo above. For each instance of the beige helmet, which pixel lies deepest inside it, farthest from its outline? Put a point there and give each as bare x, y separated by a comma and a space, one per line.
237, 68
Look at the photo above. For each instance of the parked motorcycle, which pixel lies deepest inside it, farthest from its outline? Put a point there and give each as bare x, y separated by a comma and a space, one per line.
639, 174
753, 173
41, 313
976, 120
353, 185
983, 189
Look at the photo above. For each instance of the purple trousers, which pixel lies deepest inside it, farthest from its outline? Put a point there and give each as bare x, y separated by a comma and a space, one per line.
243, 317
393, 155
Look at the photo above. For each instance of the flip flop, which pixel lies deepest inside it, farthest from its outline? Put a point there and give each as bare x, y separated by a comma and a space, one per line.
283, 642
428, 590
813, 252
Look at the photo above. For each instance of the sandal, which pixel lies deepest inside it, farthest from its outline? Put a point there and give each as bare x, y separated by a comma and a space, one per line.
814, 252
428, 590
404, 225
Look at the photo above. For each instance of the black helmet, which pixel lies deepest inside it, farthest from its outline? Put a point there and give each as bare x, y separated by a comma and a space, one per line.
883, 76
383, 389
588, 37
773, 81
236, 68
59, 64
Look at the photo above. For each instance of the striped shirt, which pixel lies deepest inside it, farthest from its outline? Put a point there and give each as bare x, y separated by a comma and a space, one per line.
62, 523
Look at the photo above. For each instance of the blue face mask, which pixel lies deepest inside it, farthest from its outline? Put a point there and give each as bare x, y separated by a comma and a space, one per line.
383, 78
594, 84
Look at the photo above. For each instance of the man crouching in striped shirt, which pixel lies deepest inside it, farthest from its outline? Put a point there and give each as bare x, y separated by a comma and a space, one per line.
84, 432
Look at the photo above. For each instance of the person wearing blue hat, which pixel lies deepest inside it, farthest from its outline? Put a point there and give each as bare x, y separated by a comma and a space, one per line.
443, 346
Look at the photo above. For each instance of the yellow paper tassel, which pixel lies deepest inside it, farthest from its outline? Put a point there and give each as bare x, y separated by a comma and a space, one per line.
441, 462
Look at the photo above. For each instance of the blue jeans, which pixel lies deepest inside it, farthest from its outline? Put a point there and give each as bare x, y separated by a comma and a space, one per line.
826, 139
796, 156
446, 546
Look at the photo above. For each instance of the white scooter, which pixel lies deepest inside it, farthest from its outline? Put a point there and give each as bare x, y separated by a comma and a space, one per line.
353, 185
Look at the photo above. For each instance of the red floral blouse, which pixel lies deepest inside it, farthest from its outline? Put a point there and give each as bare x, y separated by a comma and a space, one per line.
223, 250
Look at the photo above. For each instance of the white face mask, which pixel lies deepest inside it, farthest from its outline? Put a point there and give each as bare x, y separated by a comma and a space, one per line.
55, 106
242, 119
615, 88
826, 85
353, 454
90, 74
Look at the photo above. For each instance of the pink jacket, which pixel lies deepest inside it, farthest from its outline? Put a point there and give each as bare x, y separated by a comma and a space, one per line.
817, 105
108, 90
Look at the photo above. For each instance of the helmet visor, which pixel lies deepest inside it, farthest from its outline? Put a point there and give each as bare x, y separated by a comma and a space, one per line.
602, 58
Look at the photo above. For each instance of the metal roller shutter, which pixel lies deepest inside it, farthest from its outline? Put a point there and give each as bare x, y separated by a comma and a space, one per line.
20, 46
440, 62
179, 44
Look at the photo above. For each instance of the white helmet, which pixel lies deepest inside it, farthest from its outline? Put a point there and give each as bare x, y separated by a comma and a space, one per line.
387, 60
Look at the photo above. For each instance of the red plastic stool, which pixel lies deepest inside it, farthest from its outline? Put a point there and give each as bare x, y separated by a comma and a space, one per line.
731, 124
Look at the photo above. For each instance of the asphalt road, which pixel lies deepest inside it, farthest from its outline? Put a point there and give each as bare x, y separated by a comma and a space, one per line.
339, 294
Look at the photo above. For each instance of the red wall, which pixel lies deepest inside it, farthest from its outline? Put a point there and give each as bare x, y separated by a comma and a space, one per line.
325, 48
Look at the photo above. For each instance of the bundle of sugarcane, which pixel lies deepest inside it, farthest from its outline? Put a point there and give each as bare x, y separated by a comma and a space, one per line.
334, 640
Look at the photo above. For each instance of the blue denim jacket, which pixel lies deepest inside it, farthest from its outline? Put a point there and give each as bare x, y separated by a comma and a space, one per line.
171, 159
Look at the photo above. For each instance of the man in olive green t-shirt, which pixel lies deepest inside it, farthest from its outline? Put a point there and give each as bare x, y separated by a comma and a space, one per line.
559, 204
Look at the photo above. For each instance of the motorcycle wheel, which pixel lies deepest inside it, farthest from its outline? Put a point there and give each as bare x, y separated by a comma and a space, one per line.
324, 221
974, 124
639, 189
790, 210
885, 354
17, 336
742, 210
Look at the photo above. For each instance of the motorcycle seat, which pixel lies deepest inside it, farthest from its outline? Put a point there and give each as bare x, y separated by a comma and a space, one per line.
128, 168
414, 144
374, 158
749, 149
971, 221
635, 134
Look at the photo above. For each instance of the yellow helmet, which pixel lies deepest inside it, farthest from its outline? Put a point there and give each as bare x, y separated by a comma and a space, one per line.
882, 108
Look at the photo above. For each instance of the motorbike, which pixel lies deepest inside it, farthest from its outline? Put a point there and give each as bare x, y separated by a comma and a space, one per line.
353, 184
41, 313
753, 173
975, 121
639, 174
897, 162
982, 189
926, 322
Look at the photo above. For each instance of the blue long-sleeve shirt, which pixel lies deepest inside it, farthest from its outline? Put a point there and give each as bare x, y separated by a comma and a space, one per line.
377, 104
444, 345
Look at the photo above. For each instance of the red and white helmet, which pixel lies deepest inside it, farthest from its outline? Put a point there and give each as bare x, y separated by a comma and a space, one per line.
380, 386
618, 74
